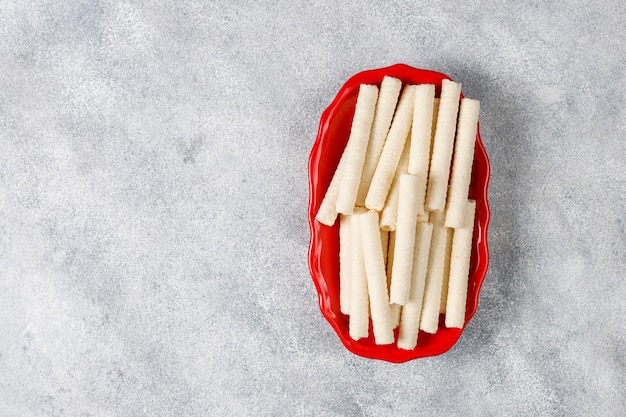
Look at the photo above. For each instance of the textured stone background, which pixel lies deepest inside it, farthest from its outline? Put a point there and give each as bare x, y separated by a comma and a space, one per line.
153, 191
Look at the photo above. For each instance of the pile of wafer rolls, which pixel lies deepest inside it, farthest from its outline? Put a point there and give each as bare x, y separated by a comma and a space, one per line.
400, 192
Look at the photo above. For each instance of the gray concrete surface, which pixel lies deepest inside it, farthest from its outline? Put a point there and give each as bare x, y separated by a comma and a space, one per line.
153, 191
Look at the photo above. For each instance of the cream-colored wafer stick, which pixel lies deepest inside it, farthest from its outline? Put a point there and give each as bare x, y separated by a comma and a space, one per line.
376, 278
443, 145
389, 215
446, 272
327, 213
385, 107
356, 148
405, 239
345, 262
462, 162
384, 241
392, 150
412, 310
429, 322
459, 269
359, 298
421, 133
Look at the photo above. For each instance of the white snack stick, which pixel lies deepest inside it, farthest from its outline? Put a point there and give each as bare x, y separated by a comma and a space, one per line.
429, 322
409, 325
459, 269
376, 278
385, 107
389, 215
405, 239
327, 213
443, 145
462, 163
421, 134
359, 298
412, 310
392, 150
446, 272
356, 148
345, 262
384, 241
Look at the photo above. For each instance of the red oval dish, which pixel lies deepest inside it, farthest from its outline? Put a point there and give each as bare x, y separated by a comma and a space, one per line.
332, 136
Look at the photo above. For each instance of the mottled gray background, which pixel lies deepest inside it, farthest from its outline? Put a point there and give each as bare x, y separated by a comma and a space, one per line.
153, 192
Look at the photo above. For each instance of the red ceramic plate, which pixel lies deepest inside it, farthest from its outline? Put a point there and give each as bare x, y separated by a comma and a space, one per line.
333, 134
